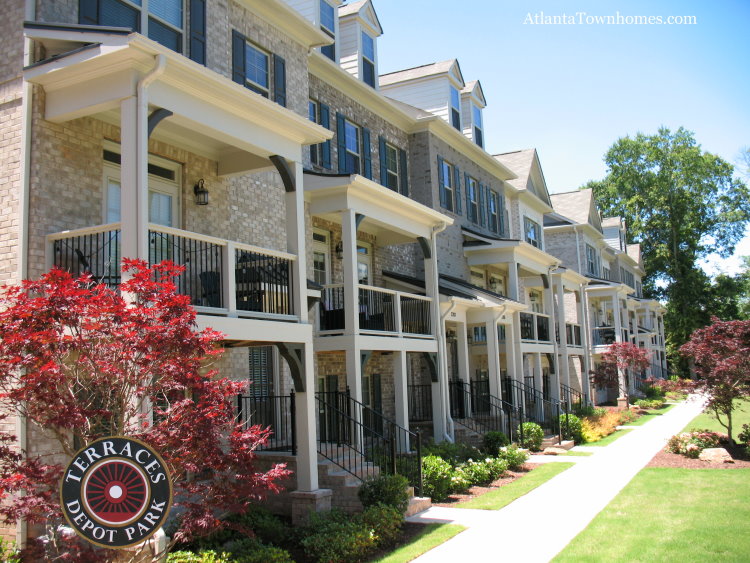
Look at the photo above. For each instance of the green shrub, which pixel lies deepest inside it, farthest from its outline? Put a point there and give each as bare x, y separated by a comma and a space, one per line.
652, 392
8, 552
691, 444
571, 428
452, 452
437, 477
513, 456
493, 441
744, 435
389, 490
496, 466
476, 472
385, 522
650, 403
200, 557
250, 550
532, 436
335, 537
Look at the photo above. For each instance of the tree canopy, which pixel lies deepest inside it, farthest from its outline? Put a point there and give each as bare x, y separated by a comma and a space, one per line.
681, 204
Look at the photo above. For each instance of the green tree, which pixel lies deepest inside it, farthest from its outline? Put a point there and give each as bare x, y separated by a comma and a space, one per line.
681, 204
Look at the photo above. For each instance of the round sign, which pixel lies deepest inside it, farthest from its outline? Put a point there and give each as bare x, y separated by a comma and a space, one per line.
116, 492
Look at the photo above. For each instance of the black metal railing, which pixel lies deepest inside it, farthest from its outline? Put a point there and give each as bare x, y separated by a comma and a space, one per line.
332, 308
527, 326
473, 407
202, 260
376, 310
542, 328
276, 412
573, 334
263, 283
420, 402
363, 442
97, 253
603, 336
535, 407
415, 315
572, 399
535, 326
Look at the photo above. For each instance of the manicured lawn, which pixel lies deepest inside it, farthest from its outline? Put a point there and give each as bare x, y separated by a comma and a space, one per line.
665, 514
432, 536
607, 440
652, 414
571, 452
740, 416
503, 496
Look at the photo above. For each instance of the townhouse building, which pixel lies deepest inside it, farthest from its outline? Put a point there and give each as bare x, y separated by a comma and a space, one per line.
379, 277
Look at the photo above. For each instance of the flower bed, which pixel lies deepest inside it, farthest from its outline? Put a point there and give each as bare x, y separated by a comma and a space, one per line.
691, 444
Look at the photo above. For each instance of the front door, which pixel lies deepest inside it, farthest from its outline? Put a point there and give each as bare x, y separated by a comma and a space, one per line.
332, 409
372, 399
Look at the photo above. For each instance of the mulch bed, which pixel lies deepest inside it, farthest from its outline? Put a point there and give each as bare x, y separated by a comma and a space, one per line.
475, 491
667, 459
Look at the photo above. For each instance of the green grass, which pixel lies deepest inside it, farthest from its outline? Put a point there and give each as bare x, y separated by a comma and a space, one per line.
432, 536
740, 416
651, 415
506, 494
607, 440
571, 452
665, 514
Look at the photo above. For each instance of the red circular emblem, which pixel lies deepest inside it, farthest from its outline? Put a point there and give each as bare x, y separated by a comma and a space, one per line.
115, 492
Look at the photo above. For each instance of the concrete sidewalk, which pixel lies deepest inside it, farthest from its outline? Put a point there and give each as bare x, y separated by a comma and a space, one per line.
540, 524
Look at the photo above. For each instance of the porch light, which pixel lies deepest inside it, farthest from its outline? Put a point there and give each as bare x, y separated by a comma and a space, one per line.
201, 193
340, 250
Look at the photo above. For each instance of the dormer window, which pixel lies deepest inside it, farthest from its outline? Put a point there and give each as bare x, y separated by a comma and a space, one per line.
368, 59
532, 232
455, 109
328, 25
478, 128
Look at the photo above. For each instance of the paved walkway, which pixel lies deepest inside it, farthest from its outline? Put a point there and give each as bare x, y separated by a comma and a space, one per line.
537, 526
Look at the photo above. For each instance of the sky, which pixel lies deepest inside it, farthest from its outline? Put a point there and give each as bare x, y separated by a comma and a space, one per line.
571, 90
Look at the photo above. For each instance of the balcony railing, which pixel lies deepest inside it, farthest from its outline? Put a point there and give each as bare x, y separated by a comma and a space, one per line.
380, 311
573, 334
260, 287
603, 336
420, 402
535, 326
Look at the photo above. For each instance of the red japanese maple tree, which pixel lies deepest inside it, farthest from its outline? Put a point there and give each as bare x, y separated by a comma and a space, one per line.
621, 361
722, 360
81, 361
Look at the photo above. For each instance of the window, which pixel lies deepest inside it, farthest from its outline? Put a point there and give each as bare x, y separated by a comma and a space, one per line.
160, 20
256, 70
260, 372
319, 113
627, 277
478, 129
447, 188
321, 257
455, 109
493, 211
592, 261
352, 146
497, 283
364, 263
478, 278
391, 167
472, 199
537, 303
328, 25
368, 59
532, 232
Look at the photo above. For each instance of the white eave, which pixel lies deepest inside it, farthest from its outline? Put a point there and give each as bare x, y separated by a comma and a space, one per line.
285, 18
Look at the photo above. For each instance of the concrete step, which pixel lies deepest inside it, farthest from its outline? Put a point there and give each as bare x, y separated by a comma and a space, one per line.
550, 441
417, 505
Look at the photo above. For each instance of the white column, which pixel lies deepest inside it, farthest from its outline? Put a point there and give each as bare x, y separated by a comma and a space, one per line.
307, 451
518, 353
563, 345
295, 241
493, 357
134, 244
513, 285
462, 345
617, 313
351, 283
401, 393
354, 373
583, 320
510, 353
554, 370
537, 370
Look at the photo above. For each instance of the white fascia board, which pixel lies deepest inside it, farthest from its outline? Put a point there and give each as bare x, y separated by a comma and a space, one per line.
285, 18
234, 328
534, 202
511, 251
333, 75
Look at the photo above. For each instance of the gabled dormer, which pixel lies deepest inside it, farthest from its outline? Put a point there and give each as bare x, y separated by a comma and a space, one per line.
472, 104
359, 29
435, 88
324, 15
614, 232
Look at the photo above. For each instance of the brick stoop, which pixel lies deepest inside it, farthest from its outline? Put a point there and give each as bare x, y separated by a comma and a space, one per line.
344, 485
550, 441
466, 436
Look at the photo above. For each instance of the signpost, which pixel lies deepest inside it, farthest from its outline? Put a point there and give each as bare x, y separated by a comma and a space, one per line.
116, 492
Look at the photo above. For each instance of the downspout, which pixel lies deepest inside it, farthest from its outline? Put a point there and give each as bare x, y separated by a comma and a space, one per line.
160, 65
442, 355
27, 101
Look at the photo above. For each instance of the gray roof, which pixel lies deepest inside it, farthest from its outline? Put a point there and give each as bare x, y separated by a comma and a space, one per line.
417, 72
520, 163
573, 205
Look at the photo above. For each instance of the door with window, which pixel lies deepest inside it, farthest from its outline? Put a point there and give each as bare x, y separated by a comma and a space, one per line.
333, 408
372, 398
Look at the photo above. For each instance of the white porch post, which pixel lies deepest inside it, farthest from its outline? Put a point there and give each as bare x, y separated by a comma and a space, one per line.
440, 399
133, 182
583, 319
493, 357
307, 453
462, 346
511, 361
563, 345
295, 241
554, 368
351, 281
513, 286
401, 393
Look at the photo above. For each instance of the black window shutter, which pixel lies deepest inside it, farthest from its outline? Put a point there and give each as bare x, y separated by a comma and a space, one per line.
88, 12
341, 142
325, 148
366, 154
238, 57
383, 161
198, 31
403, 172
377, 393
469, 212
279, 80
457, 181
441, 182
482, 204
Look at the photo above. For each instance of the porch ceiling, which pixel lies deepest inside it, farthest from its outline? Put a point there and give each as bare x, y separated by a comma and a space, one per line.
532, 260
391, 217
211, 114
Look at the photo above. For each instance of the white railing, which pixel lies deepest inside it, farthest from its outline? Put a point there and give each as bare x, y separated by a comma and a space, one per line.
221, 276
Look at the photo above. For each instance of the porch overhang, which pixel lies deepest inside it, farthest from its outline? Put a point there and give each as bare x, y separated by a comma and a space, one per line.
530, 258
219, 118
392, 217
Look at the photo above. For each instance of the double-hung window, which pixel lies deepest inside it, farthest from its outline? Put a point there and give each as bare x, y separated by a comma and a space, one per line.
353, 146
472, 199
592, 261
319, 113
532, 232
455, 108
328, 25
391, 167
368, 59
447, 188
257, 69
478, 128
493, 211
